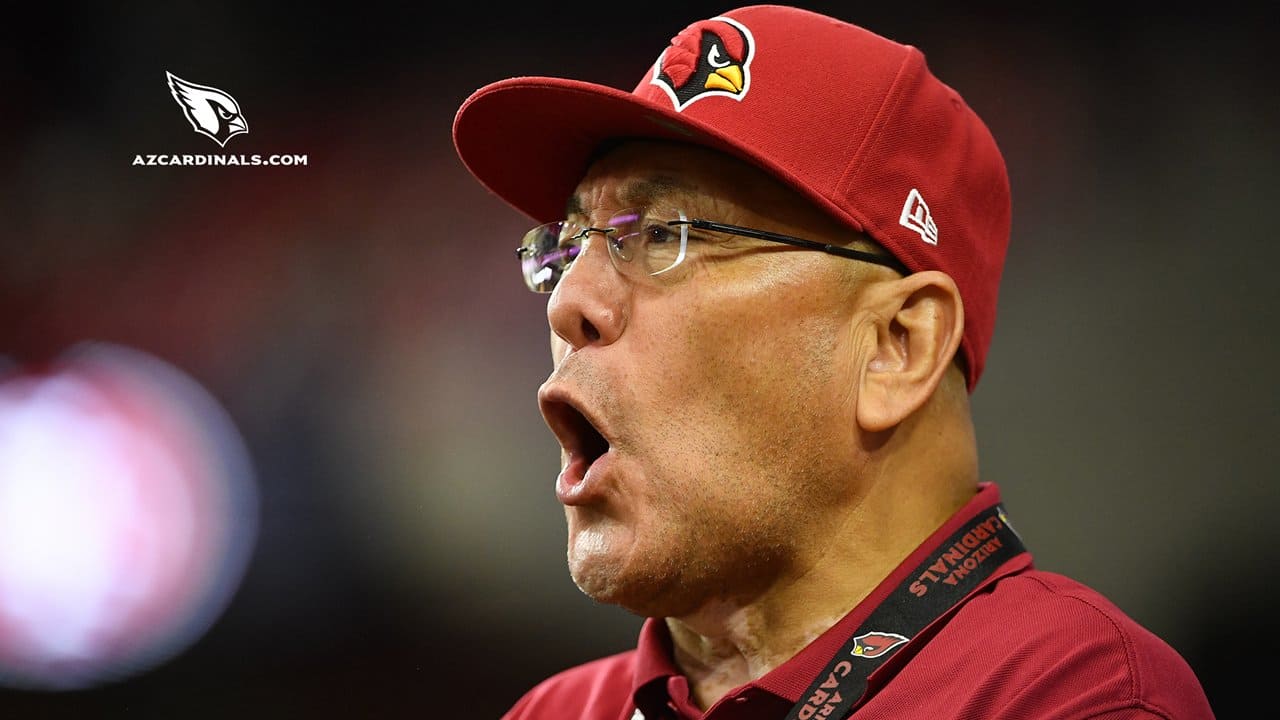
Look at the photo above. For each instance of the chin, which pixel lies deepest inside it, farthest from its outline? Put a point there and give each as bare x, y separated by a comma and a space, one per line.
635, 598
611, 563
601, 578
648, 592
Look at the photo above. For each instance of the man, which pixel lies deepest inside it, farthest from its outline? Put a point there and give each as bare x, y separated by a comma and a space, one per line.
773, 271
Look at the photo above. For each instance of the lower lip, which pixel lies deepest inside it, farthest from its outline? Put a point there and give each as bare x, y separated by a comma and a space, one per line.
578, 483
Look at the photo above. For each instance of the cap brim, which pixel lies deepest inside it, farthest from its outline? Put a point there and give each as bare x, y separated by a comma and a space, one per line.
529, 139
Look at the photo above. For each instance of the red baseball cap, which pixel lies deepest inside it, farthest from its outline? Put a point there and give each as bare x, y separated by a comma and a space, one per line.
852, 120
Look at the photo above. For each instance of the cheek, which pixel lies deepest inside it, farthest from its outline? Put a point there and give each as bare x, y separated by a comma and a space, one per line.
774, 334
746, 370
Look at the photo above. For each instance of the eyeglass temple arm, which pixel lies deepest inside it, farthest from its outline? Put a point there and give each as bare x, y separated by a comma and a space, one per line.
885, 260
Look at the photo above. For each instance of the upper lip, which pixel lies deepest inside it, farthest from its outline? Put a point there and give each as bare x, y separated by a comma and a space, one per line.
576, 425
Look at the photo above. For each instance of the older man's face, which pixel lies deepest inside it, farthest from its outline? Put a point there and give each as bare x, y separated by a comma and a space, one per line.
719, 395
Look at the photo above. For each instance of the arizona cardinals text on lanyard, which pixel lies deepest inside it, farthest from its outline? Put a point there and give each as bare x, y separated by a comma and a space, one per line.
956, 567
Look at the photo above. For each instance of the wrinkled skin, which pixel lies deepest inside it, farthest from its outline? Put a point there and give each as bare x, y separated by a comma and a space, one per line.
725, 390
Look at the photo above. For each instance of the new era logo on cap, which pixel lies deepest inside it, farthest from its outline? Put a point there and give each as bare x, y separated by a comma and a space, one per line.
915, 216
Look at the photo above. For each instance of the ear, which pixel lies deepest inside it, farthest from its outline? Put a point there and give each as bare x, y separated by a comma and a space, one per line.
919, 322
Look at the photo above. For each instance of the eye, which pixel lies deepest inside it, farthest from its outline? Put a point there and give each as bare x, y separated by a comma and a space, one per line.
658, 232
715, 58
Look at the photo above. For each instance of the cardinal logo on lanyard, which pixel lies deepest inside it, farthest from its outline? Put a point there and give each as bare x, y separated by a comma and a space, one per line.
875, 644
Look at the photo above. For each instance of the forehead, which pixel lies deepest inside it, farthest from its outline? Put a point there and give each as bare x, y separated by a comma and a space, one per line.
648, 172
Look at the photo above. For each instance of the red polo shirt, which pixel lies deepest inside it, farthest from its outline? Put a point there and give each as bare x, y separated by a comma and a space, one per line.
1021, 644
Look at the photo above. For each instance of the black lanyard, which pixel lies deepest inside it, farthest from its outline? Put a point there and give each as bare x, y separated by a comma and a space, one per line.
955, 568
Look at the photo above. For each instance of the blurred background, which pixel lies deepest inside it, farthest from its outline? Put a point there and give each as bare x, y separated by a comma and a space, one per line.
339, 359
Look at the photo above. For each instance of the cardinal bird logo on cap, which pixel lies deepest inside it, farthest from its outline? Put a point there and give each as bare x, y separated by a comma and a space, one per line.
210, 111
708, 58
875, 644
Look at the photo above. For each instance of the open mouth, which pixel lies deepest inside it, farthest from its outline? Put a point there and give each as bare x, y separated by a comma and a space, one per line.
577, 434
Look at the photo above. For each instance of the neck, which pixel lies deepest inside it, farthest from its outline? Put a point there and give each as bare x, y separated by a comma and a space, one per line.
726, 644
729, 642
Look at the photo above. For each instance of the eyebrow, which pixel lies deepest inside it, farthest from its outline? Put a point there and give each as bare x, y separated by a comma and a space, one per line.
639, 192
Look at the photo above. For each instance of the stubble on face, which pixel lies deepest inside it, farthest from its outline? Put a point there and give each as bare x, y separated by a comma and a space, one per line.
717, 473
725, 394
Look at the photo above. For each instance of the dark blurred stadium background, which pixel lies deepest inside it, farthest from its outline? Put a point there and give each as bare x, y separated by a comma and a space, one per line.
362, 322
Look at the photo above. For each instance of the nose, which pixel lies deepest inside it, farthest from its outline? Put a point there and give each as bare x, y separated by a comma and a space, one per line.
588, 305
